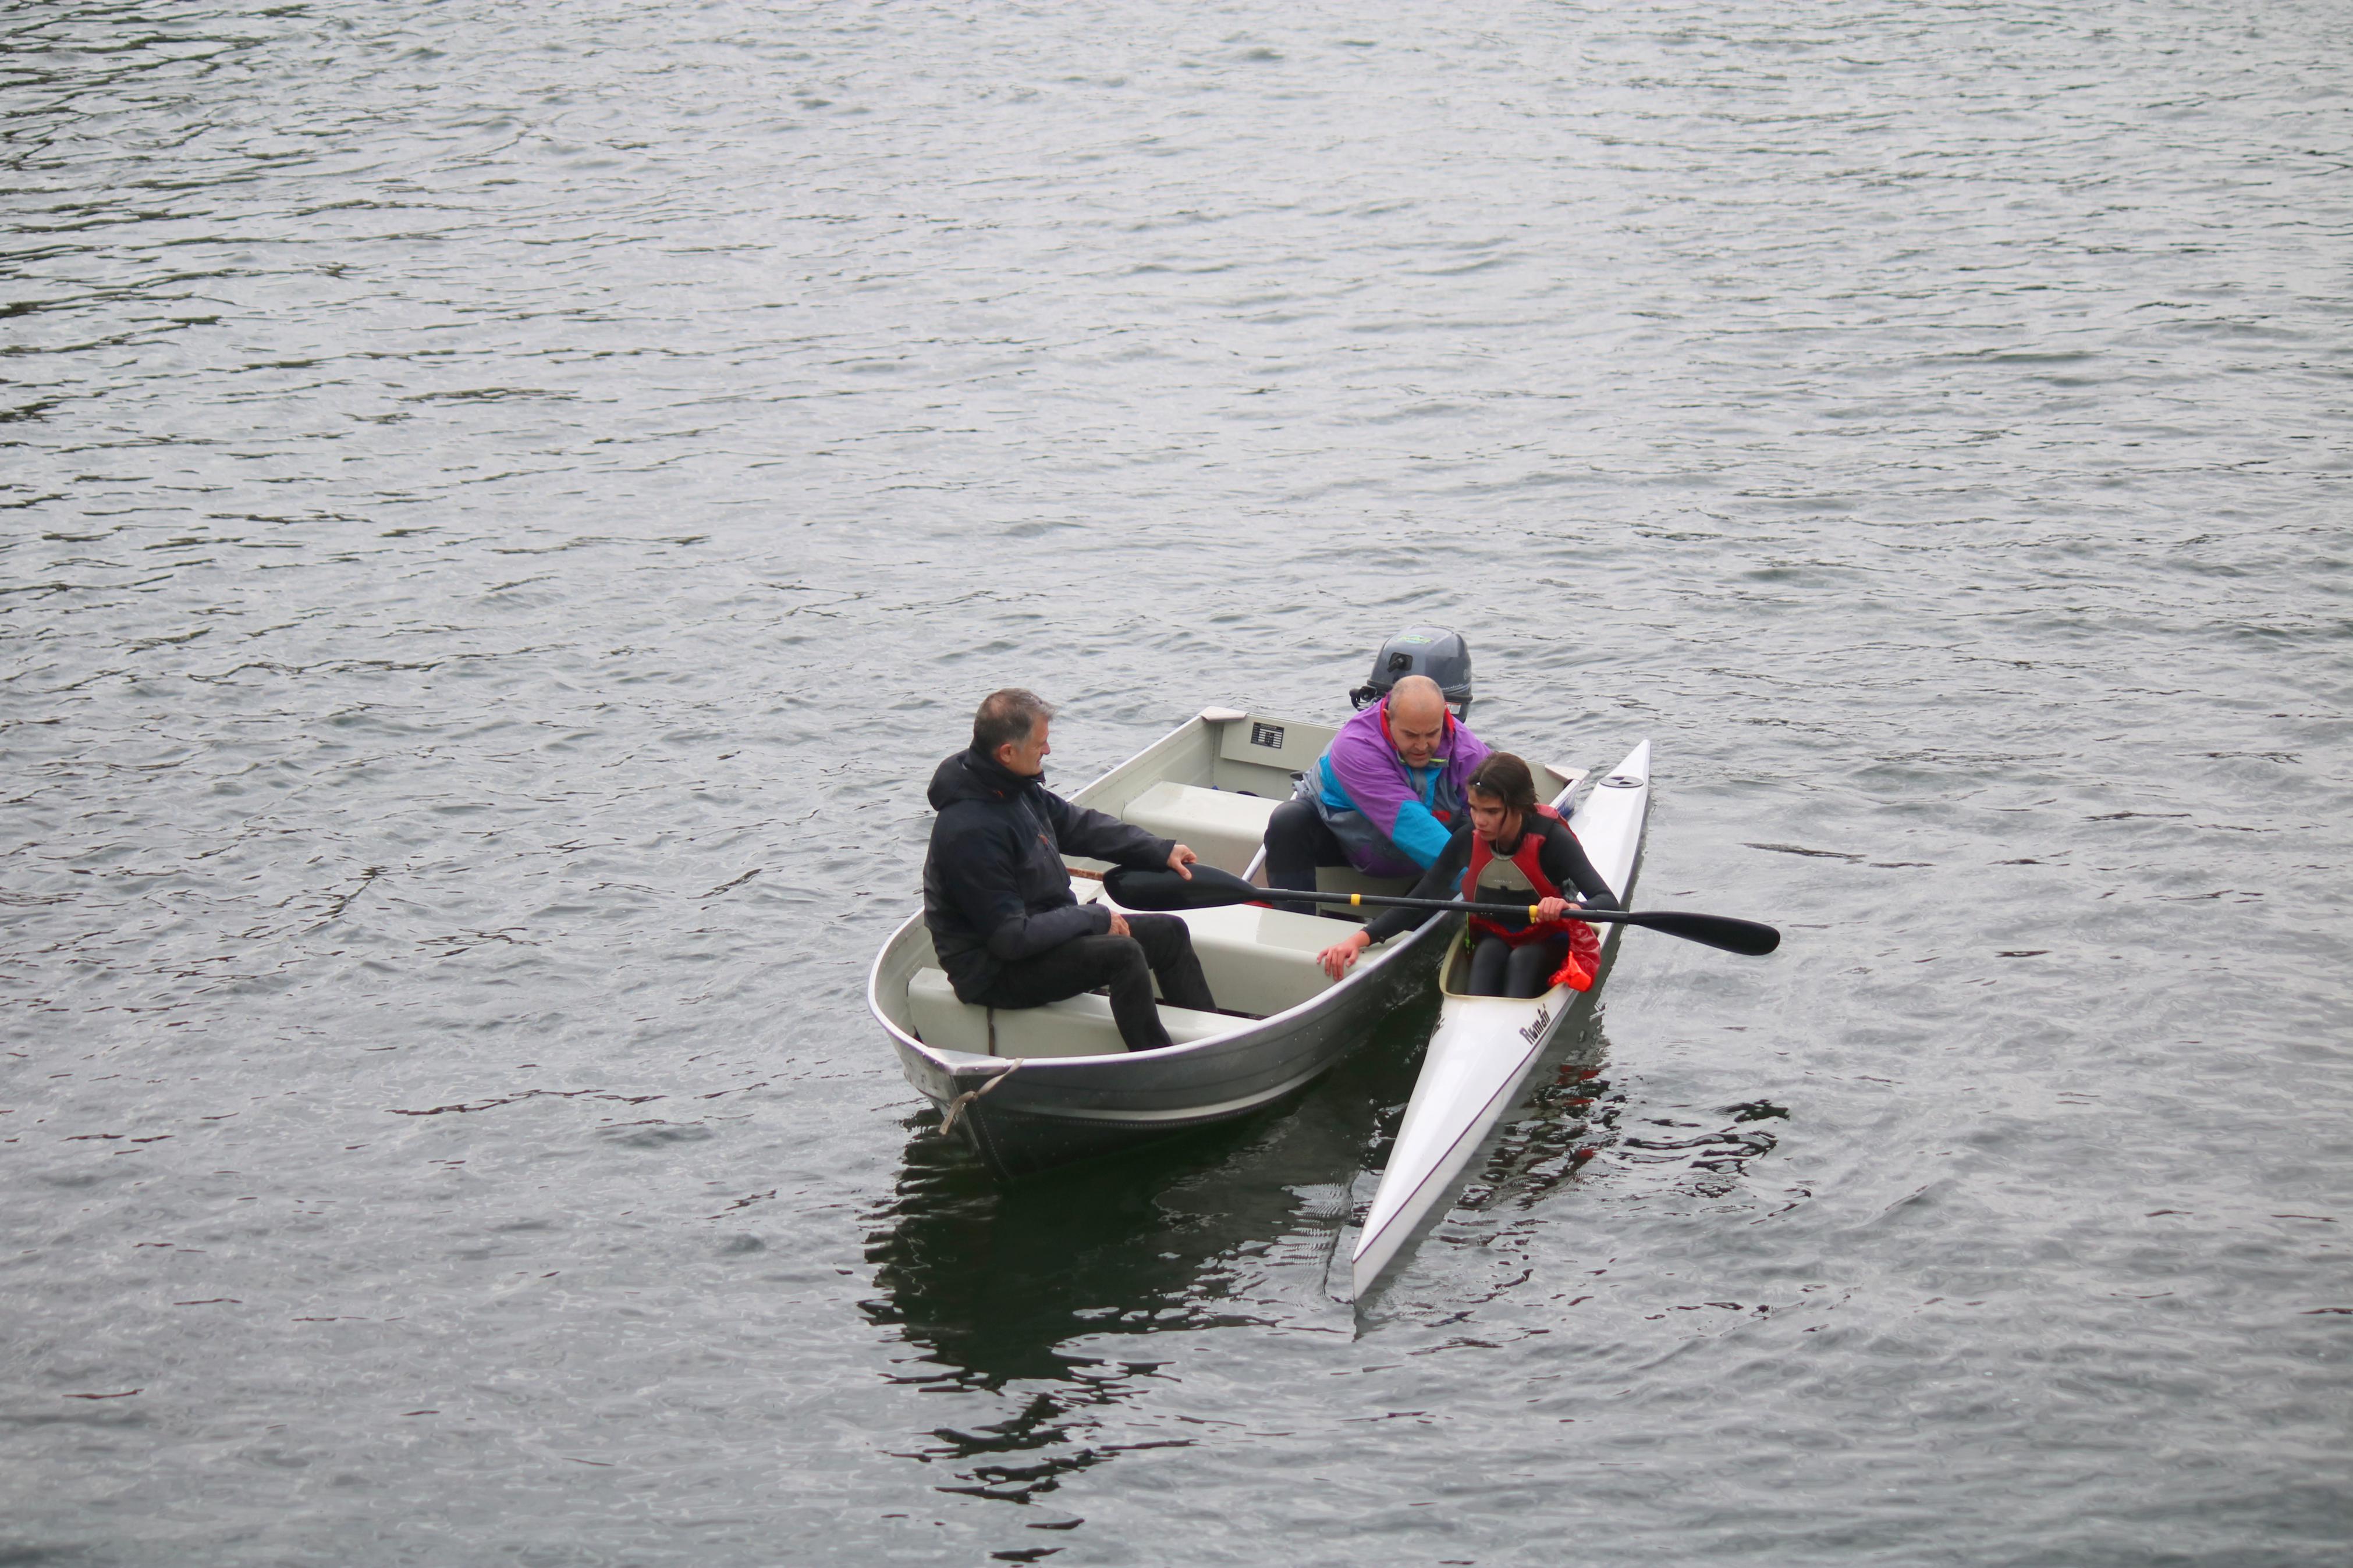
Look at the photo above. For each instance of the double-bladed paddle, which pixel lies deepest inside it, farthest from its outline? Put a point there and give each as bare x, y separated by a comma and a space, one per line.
1210, 889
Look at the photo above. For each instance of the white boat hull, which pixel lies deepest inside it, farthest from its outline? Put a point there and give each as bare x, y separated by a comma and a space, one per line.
1483, 1047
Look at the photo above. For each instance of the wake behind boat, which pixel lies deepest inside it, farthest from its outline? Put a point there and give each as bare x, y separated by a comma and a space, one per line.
1035, 1087
1483, 1047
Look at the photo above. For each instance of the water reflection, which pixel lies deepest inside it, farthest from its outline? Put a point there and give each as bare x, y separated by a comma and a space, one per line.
1573, 1110
992, 1280
1032, 1291
1045, 1293
1568, 1113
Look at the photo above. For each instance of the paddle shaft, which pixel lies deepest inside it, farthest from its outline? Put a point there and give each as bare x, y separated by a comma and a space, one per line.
1210, 889
1283, 895
1713, 931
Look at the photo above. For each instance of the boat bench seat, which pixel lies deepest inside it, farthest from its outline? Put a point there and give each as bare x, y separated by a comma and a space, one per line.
1080, 1027
1222, 826
1261, 960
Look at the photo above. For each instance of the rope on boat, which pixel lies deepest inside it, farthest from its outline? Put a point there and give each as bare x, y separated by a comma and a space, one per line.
955, 1106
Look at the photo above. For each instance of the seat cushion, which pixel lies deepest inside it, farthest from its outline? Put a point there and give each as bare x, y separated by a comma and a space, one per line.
1261, 960
1079, 1026
1222, 826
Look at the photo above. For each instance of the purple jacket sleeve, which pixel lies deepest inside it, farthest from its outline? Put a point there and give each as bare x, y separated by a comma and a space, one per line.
1368, 771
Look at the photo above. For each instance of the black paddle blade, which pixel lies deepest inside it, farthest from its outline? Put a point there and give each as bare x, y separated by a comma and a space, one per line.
1163, 892
1747, 937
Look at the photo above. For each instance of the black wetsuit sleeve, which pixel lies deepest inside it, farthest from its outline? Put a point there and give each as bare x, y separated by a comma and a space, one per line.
1443, 880
1563, 858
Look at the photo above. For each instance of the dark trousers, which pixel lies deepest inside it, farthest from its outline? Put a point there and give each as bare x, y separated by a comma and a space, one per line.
1499, 969
1297, 841
1161, 948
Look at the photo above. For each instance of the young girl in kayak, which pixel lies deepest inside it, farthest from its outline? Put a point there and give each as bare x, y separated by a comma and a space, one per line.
1511, 851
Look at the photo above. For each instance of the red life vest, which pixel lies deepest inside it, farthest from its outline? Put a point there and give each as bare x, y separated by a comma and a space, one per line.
1584, 956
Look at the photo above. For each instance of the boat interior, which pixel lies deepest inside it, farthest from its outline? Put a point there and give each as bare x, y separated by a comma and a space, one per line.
1211, 784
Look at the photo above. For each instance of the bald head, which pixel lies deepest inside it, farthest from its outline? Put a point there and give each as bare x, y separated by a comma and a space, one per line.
1417, 720
1416, 698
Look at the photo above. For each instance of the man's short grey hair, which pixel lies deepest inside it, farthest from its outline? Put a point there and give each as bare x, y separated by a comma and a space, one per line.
1006, 718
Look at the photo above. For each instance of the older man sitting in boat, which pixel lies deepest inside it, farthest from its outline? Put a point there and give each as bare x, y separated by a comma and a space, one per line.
997, 896
1385, 797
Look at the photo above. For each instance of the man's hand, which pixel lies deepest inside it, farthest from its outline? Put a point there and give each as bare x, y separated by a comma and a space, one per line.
1119, 925
1180, 858
1341, 956
1555, 910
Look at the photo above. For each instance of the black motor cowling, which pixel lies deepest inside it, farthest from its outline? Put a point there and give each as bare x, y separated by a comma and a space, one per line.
1432, 651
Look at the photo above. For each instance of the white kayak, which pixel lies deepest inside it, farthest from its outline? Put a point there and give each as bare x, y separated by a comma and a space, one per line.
1485, 1046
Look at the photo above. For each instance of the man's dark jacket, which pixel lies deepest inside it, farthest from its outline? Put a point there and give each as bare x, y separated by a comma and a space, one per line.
995, 887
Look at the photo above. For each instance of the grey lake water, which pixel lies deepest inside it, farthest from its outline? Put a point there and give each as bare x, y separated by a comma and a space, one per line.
502, 506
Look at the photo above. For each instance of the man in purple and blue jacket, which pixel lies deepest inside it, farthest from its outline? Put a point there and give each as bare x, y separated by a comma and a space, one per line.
1384, 797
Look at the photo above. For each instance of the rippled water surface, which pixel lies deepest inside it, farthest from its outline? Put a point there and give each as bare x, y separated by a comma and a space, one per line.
504, 505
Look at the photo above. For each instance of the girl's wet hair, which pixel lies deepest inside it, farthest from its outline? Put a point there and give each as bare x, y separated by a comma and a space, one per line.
1504, 777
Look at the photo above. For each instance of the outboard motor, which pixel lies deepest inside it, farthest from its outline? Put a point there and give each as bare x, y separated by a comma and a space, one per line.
1432, 651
